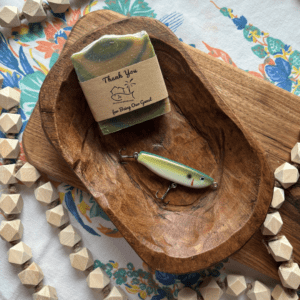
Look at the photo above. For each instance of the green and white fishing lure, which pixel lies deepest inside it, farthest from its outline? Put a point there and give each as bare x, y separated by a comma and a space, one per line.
174, 171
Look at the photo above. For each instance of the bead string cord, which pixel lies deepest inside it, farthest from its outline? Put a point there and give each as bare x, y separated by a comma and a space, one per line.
11, 204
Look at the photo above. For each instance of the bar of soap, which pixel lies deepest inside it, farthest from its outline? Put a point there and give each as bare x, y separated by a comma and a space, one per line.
111, 53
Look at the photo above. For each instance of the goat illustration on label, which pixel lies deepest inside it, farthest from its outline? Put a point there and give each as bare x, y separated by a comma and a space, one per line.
123, 94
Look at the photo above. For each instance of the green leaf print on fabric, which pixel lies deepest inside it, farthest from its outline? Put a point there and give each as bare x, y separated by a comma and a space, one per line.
274, 45
295, 59
30, 88
28, 34
224, 11
259, 50
53, 59
138, 8
96, 211
251, 33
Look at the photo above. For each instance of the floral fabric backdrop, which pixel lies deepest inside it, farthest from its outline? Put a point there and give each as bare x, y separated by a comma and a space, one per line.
256, 38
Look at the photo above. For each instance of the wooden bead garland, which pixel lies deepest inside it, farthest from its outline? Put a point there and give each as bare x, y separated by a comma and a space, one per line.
187, 294
19, 254
258, 291
11, 204
33, 10
98, 279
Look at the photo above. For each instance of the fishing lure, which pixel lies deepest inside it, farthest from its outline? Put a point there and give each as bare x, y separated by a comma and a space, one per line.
174, 171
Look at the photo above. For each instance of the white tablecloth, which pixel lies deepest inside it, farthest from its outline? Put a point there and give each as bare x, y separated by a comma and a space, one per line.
260, 37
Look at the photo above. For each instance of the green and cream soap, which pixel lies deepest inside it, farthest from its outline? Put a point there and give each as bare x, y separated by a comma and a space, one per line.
122, 81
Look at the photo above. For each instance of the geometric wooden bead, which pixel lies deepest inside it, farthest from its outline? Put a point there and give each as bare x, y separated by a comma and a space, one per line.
59, 6
272, 225
33, 11
259, 292
9, 148
187, 294
46, 293
236, 285
7, 174
295, 153
69, 236
10, 123
28, 174
287, 175
9, 16
57, 216
11, 230
98, 279
11, 203
209, 289
279, 293
281, 249
278, 198
46, 193
116, 293
9, 98
290, 275
19, 254
32, 275
82, 259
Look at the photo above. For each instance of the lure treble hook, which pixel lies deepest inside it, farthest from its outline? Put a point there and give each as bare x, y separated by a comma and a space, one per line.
173, 185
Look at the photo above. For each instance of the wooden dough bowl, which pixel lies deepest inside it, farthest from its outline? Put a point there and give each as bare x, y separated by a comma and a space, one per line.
199, 227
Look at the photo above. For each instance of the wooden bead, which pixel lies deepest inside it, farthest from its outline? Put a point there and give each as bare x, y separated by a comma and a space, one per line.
57, 216
59, 6
46, 293
32, 275
46, 193
279, 293
9, 98
287, 175
289, 274
19, 254
1, 81
7, 174
259, 292
10, 123
272, 224
281, 249
295, 154
98, 279
187, 294
116, 293
11, 230
9, 148
210, 290
28, 174
236, 285
33, 11
278, 198
11, 203
9, 17
69, 236
81, 260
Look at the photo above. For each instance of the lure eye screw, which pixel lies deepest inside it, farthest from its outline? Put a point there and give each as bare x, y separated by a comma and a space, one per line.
215, 185
135, 154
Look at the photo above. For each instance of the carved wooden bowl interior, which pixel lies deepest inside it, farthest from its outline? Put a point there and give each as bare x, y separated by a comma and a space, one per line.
199, 227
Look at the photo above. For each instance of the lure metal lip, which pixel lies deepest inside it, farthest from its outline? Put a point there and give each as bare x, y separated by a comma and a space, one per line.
174, 171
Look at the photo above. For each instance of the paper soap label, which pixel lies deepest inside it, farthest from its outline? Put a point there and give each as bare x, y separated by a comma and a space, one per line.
125, 90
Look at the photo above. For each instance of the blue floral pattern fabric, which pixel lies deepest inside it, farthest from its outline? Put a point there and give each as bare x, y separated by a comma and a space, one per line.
29, 51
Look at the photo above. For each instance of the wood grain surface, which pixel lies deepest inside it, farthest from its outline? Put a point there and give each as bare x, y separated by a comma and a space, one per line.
271, 114
198, 228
